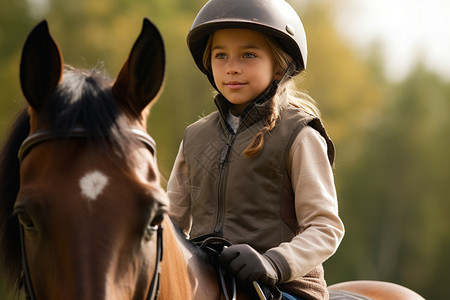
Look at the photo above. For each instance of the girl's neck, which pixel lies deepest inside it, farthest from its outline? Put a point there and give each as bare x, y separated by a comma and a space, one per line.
237, 109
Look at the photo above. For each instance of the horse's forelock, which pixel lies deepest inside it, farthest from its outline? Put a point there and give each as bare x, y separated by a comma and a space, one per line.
84, 98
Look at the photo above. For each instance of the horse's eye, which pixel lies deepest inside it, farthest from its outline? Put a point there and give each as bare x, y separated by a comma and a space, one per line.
26, 221
157, 220
153, 226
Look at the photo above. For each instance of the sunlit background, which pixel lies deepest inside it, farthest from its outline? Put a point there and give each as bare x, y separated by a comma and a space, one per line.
380, 71
408, 30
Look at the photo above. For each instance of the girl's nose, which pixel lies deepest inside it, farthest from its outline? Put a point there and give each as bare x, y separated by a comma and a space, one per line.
233, 67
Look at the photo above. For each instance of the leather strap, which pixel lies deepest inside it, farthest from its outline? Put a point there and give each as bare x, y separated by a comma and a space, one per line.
76, 132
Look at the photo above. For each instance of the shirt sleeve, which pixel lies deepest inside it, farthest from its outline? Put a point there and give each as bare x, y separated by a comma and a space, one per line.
178, 190
315, 206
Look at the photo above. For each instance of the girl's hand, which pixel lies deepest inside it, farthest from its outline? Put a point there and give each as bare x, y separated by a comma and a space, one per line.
248, 265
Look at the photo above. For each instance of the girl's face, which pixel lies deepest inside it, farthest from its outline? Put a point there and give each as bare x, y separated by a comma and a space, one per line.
242, 65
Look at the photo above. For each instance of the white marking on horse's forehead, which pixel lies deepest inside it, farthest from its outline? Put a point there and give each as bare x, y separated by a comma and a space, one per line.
92, 184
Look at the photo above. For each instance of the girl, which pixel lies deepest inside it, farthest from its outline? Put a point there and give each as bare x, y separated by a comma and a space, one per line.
258, 170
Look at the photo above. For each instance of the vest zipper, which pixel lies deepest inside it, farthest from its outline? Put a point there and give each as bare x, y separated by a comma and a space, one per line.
221, 206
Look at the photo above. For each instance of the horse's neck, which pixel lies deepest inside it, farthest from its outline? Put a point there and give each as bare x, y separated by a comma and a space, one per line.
184, 275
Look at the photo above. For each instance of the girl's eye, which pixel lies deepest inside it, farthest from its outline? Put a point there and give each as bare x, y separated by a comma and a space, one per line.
249, 55
220, 56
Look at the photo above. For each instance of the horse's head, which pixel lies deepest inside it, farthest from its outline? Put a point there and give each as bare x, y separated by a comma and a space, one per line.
89, 200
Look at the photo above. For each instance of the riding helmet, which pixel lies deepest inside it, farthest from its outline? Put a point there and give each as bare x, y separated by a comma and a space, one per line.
275, 18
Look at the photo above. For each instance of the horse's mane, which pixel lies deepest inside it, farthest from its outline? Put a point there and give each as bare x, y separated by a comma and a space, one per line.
195, 249
9, 186
82, 97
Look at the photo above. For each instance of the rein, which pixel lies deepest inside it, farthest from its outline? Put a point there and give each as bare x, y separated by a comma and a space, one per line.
79, 132
214, 245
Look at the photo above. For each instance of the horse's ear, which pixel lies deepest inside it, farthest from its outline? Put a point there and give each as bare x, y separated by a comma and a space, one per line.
40, 66
141, 77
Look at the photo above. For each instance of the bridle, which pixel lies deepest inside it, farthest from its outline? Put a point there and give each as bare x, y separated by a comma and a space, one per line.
79, 132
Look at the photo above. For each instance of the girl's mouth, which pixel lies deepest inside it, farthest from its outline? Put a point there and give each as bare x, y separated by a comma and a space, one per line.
234, 84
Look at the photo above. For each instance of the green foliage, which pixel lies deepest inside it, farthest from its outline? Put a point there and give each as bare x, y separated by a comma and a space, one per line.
392, 139
398, 191
13, 27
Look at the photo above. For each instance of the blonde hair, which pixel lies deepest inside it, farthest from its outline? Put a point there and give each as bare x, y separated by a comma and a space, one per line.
286, 94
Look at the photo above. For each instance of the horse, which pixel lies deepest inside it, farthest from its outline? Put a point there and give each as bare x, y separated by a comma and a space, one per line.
82, 211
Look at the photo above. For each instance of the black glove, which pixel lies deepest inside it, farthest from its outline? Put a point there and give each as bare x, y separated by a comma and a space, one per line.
248, 265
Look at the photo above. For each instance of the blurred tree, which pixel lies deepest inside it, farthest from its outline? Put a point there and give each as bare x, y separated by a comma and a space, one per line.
14, 23
399, 189
341, 83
